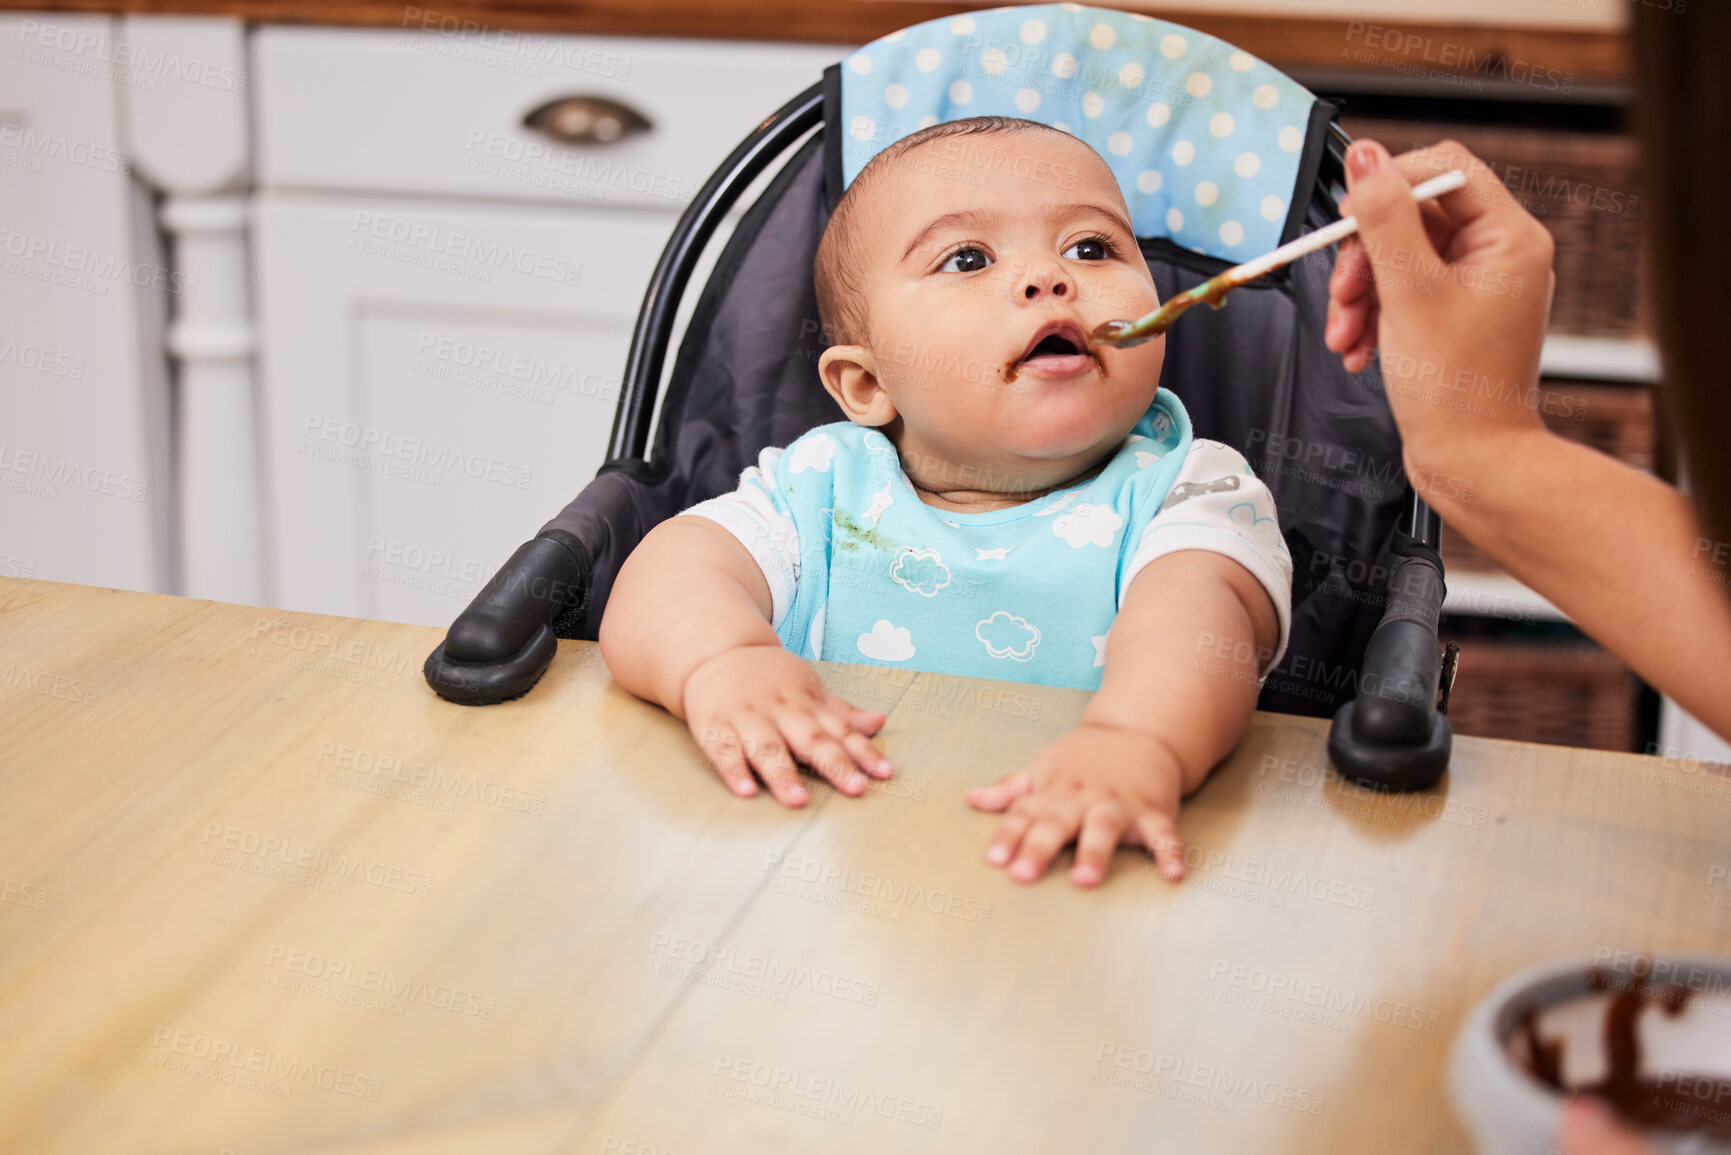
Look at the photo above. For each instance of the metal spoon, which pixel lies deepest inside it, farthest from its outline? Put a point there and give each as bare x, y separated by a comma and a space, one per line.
1213, 291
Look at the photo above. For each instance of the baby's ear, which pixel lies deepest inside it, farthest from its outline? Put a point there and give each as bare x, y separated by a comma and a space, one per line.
850, 373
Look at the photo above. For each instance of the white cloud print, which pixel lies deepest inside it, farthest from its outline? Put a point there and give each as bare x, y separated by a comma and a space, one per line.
921, 570
812, 453
1007, 636
1088, 525
887, 643
1265, 529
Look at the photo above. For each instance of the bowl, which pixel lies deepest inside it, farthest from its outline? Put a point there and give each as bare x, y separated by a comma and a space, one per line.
1675, 1009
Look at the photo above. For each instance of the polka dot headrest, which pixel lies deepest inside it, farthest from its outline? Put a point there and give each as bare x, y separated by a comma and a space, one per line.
1204, 139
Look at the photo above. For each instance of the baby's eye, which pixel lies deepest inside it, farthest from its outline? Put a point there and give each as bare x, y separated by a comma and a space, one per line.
1092, 249
964, 261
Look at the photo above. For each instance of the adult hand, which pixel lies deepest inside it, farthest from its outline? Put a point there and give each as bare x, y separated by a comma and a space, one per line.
1454, 293
1589, 1128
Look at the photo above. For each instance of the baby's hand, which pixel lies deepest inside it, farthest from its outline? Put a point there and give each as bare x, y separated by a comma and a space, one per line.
1097, 786
750, 705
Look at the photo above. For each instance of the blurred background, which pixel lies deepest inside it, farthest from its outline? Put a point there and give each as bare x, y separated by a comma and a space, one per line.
324, 306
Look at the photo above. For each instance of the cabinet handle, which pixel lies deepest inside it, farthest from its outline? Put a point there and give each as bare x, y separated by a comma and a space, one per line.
586, 120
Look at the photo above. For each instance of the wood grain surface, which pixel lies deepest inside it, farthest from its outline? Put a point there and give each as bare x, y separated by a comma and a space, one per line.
265, 892
1396, 47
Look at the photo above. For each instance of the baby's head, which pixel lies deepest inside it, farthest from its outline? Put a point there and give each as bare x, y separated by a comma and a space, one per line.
959, 280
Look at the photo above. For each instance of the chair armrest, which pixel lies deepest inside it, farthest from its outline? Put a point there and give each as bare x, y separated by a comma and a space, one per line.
504, 641
1392, 736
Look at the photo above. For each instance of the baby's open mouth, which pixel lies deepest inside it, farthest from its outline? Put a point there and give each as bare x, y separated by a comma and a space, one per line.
1057, 349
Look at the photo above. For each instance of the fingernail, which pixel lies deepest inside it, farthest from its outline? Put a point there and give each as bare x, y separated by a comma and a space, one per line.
856, 781
1365, 157
884, 765
996, 855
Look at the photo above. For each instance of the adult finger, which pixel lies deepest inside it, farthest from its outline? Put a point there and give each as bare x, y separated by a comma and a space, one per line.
1390, 228
1159, 834
1051, 832
769, 757
817, 749
1102, 826
1351, 278
1002, 792
1590, 1129
1483, 194
725, 751
1362, 351
1351, 299
858, 746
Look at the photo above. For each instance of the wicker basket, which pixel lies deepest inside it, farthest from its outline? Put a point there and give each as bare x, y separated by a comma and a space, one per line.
1614, 419
1558, 693
1584, 187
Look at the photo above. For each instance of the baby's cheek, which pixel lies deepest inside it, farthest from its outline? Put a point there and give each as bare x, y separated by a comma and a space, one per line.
1116, 293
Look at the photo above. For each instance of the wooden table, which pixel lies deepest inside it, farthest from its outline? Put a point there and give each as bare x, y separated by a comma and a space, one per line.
264, 892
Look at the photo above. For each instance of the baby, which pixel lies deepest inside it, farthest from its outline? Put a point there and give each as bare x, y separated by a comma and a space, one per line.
1005, 499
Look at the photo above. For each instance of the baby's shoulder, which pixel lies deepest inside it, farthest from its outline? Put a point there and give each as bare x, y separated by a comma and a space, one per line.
839, 455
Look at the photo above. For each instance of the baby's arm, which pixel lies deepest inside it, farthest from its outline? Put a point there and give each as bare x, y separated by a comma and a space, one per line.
1184, 656
1167, 710
687, 626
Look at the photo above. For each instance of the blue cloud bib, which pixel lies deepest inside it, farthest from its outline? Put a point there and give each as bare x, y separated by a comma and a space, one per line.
1024, 594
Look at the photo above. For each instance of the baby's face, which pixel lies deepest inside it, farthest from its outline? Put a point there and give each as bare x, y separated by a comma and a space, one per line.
994, 257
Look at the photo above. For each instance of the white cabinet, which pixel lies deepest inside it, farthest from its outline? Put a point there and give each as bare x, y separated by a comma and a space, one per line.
430, 279
445, 298
84, 288
437, 383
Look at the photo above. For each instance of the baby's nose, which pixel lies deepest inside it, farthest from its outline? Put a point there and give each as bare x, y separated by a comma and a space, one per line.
1048, 280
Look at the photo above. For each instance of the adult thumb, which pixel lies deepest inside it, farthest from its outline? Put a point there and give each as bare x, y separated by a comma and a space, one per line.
1389, 225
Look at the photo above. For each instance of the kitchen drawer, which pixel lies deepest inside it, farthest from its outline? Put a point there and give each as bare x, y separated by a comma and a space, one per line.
426, 113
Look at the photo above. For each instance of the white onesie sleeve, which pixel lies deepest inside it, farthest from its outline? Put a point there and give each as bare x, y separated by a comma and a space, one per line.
757, 515
1216, 503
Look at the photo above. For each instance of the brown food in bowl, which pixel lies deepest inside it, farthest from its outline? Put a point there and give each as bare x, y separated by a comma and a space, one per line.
1671, 1102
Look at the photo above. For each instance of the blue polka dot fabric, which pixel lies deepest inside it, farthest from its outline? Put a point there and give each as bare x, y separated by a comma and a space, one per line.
1204, 139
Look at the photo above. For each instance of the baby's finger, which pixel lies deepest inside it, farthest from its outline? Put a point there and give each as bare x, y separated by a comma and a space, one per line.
821, 752
1001, 793
1102, 826
769, 756
1009, 837
865, 721
1050, 834
1158, 833
725, 752
858, 746
868, 756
